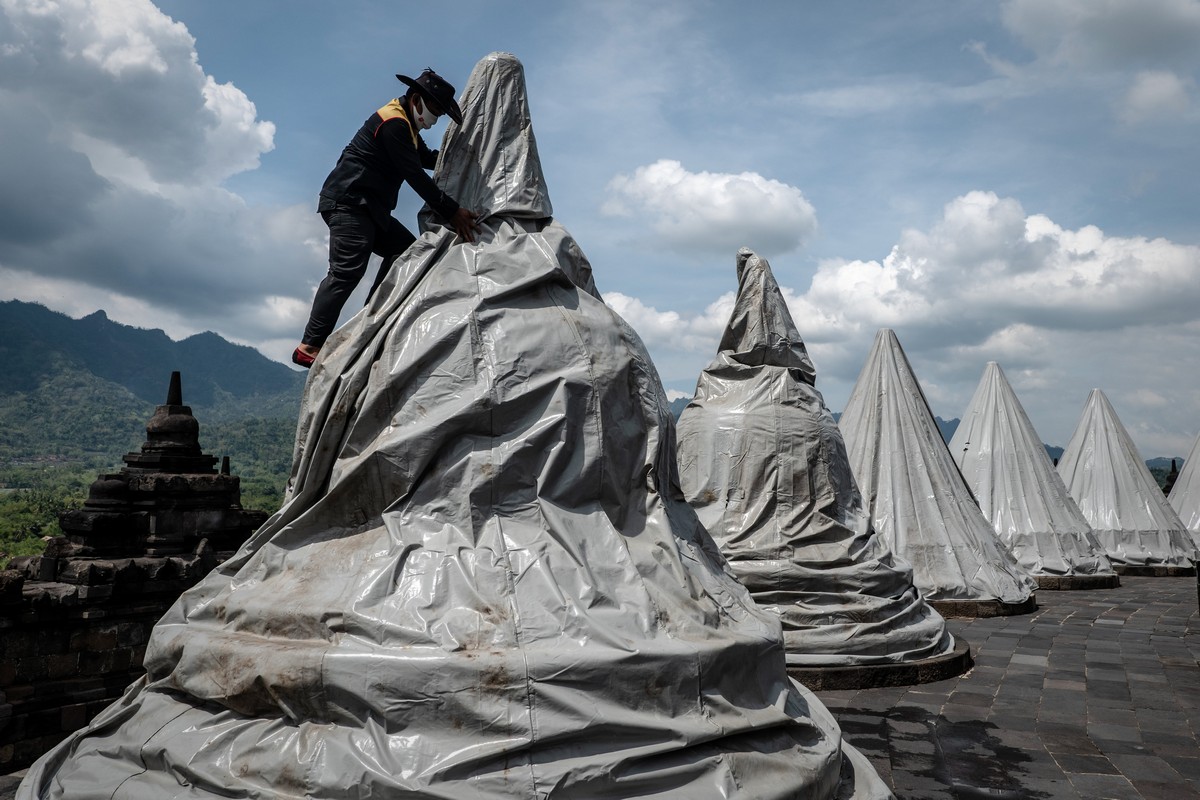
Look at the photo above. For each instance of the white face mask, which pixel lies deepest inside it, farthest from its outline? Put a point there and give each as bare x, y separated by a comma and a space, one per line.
424, 118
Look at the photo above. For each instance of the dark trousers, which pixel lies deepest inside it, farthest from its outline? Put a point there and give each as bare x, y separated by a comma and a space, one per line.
353, 237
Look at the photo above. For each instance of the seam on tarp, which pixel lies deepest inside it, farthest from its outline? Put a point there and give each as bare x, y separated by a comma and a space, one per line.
142, 749
482, 354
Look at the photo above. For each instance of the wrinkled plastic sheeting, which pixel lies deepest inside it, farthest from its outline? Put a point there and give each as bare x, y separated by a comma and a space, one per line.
1185, 494
1132, 519
916, 496
1007, 468
763, 463
479, 585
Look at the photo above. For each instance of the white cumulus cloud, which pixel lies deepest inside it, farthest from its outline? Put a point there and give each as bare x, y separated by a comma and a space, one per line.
116, 146
711, 212
1063, 310
987, 264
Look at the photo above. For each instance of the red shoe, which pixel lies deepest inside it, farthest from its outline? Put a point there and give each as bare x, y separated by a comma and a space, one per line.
302, 358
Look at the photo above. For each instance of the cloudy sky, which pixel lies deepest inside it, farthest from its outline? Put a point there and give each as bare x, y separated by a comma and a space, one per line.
1014, 181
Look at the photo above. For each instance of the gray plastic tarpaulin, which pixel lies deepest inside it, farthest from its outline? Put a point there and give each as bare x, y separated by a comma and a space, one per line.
915, 493
480, 585
1008, 470
763, 463
1117, 494
1185, 494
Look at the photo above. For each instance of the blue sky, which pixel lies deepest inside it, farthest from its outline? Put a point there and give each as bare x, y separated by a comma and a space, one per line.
1013, 181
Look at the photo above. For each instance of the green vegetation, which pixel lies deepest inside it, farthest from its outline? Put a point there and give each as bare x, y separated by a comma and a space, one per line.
260, 453
33, 490
30, 504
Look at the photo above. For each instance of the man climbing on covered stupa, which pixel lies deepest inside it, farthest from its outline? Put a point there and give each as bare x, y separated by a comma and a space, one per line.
917, 497
360, 193
763, 463
482, 583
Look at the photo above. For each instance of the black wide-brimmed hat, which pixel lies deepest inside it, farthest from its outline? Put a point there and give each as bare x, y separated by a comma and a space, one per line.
435, 89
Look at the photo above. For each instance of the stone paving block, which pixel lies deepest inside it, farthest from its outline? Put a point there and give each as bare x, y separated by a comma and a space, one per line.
958, 712
981, 686
1086, 764
1109, 787
973, 699
1015, 723
1111, 716
1068, 740
1187, 766
1020, 739
1155, 679
1145, 768
1058, 789
1018, 676
1055, 715
922, 789
1152, 790
1181, 748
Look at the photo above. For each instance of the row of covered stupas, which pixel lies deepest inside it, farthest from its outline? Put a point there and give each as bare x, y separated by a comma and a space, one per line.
1099, 513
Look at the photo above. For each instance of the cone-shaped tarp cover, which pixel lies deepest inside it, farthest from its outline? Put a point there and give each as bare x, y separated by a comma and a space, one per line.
478, 586
763, 463
1005, 464
914, 491
1131, 518
1185, 494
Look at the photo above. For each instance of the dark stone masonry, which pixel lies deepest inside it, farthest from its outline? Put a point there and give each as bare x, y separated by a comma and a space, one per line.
74, 621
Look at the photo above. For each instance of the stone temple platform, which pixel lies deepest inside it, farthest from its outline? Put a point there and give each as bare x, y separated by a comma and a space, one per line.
1094, 695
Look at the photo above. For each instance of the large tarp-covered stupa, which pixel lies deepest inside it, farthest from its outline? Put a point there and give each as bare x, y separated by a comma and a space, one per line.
479, 585
1185, 494
1132, 519
917, 496
1005, 464
763, 463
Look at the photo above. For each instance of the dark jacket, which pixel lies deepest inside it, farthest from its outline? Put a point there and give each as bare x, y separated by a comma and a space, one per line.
384, 154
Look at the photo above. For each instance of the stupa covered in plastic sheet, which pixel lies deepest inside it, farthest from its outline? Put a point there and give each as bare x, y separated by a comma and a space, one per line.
1185, 494
763, 463
479, 585
917, 497
1132, 520
1005, 464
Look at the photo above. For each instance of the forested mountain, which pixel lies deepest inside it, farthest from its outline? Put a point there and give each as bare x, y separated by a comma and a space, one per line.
37, 344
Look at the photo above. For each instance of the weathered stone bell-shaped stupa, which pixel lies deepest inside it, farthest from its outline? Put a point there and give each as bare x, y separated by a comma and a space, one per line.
918, 498
167, 498
87, 604
483, 582
763, 463
1005, 464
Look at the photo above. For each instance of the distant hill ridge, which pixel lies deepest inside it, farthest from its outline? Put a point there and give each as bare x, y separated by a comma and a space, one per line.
81, 390
36, 342
88, 385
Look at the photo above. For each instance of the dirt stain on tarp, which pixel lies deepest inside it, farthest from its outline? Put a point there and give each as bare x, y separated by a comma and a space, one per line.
495, 679
246, 687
